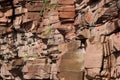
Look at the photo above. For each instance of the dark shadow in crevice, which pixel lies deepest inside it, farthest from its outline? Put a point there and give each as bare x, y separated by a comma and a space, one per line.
93, 3
13, 11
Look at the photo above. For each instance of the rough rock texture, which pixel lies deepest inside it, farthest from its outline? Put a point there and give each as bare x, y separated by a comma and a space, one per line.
97, 22
59, 39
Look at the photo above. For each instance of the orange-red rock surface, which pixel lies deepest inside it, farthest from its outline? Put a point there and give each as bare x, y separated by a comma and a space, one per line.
60, 39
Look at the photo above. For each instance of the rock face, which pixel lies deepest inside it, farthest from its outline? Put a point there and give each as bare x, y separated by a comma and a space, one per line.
59, 39
72, 61
97, 21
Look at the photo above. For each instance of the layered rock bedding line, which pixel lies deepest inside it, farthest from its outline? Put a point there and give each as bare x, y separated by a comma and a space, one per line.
59, 39
98, 21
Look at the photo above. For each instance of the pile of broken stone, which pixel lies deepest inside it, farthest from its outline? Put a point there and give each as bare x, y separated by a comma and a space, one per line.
32, 46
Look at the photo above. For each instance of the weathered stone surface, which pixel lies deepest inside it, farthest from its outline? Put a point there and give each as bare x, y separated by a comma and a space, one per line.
72, 61
3, 20
35, 6
84, 33
1, 14
67, 27
66, 1
89, 17
93, 59
54, 1
56, 25
67, 33
78, 20
66, 8
33, 16
54, 19
46, 22
96, 57
72, 58
36, 67
65, 47
56, 39
115, 41
18, 11
67, 14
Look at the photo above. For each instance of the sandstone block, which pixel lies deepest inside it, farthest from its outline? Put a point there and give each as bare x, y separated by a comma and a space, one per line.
78, 20
93, 59
84, 33
34, 16
15, 1
36, 69
66, 1
66, 8
65, 47
89, 17
66, 27
1, 14
3, 19
34, 6
70, 35
53, 12
46, 21
54, 1
67, 15
107, 28
116, 41
53, 19
18, 11
56, 25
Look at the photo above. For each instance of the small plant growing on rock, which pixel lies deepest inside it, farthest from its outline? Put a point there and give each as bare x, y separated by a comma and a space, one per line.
44, 7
